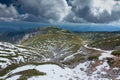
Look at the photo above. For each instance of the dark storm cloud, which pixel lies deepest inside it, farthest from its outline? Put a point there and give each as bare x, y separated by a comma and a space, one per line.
7, 2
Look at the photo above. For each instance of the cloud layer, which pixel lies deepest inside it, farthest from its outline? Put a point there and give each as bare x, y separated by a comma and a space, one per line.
71, 11
7, 13
45, 10
10, 13
95, 11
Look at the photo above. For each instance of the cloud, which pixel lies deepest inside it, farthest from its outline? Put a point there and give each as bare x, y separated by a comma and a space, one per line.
8, 13
100, 6
117, 22
45, 10
94, 11
71, 11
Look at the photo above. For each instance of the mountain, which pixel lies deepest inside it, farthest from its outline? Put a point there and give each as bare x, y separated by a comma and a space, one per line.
56, 44
14, 37
52, 53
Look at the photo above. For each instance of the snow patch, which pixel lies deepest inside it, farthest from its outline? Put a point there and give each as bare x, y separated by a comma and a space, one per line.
14, 77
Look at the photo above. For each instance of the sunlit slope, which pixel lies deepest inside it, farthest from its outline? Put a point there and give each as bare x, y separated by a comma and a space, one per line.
54, 45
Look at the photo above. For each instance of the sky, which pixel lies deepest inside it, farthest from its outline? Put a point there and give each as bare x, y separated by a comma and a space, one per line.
61, 11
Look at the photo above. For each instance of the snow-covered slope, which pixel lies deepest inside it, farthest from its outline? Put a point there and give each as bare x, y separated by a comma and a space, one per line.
55, 72
16, 64
11, 54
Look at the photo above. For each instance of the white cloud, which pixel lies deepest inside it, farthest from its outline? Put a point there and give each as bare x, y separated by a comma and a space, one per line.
117, 22
8, 13
77, 11
46, 10
95, 11
99, 6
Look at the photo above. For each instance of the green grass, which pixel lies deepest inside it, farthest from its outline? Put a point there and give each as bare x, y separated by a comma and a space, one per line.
23, 47
116, 53
58, 40
77, 58
53, 30
8, 68
28, 73
109, 43
10, 57
7, 57
55, 35
2, 61
93, 57
14, 66
110, 61
6, 50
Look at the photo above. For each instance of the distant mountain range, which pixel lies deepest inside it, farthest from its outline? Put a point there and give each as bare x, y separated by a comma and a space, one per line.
23, 26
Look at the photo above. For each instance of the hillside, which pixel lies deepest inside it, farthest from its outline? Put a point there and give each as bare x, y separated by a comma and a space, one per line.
56, 44
57, 54
16, 36
108, 43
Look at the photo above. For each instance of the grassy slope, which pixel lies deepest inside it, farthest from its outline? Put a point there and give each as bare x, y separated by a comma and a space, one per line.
56, 44
109, 43
47, 39
54, 41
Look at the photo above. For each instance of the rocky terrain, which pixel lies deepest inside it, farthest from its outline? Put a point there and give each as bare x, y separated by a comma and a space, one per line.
57, 54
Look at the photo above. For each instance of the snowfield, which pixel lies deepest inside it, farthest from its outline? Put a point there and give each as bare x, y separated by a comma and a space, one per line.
83, 71
55, 72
